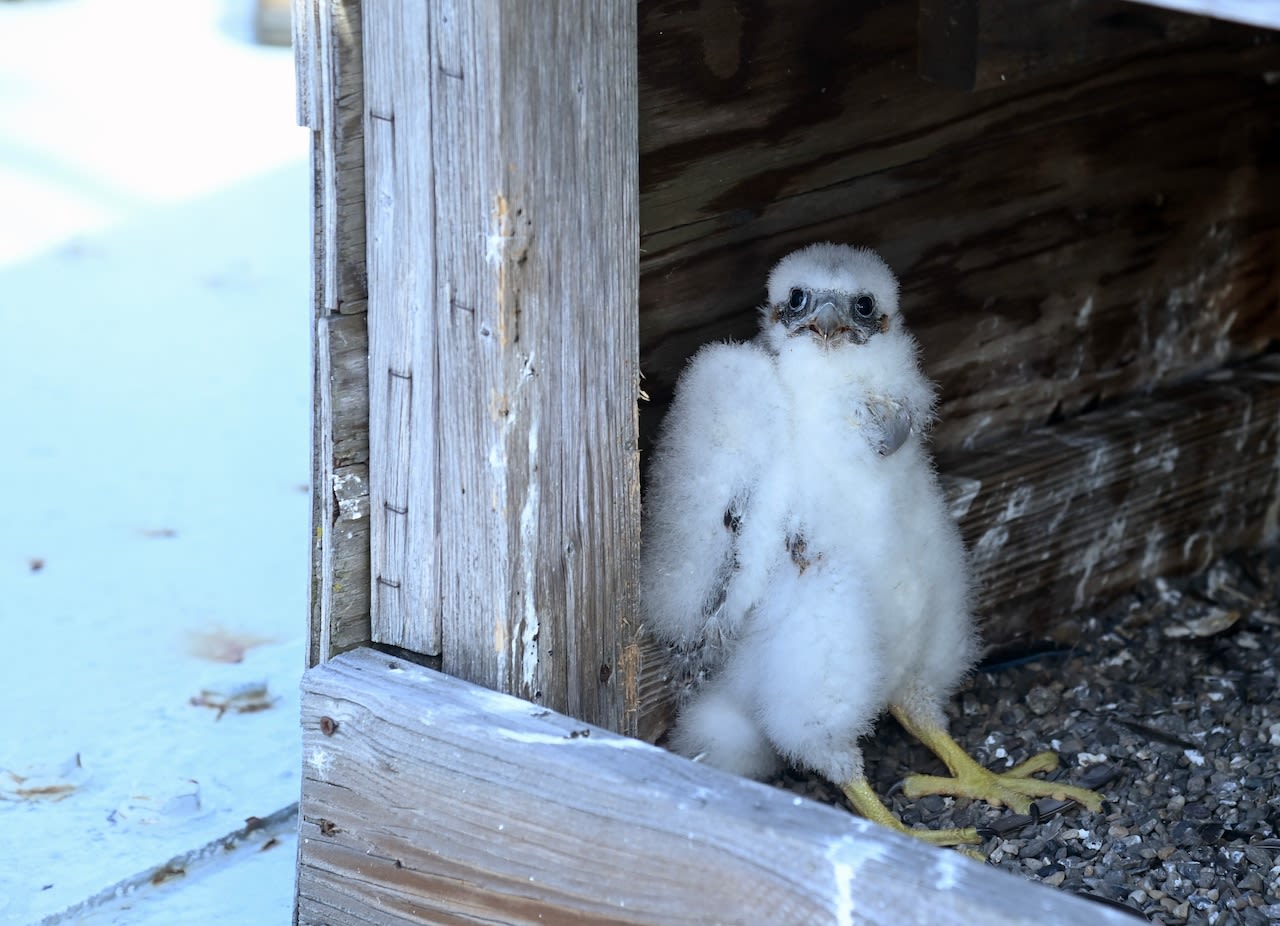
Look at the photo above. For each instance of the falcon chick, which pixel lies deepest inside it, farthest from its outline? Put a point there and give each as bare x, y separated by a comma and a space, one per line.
798, 554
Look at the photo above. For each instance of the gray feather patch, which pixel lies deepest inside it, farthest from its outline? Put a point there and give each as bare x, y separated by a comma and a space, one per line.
892, 424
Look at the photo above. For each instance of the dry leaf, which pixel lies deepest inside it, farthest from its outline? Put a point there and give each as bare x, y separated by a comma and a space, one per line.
221, 645
243, 699
43, 782
1216, 621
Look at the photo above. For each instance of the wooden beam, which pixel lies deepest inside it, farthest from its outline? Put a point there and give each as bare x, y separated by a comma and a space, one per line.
341, 575
503, 361
428, 800
976, 44
1065, 517
331, 102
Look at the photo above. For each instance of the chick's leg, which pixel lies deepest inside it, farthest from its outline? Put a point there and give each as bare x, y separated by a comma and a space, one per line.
1014, 788
868, 805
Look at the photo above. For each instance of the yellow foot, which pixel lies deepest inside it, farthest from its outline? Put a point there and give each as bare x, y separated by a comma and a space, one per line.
865, 801
1015, 789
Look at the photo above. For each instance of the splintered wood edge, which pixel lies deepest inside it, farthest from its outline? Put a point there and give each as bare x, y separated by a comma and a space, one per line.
427, 799
329, 67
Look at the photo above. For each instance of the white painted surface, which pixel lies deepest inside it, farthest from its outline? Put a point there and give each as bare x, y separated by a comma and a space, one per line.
1253, 12
154, 368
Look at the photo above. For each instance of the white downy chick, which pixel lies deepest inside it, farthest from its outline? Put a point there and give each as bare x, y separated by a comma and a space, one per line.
798, 554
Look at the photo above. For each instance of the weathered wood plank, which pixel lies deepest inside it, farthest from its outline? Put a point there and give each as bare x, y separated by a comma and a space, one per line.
330, 102
340, 494
1063, 241
306, 54
503, 378
328, 63
347, 558
1062, 518
339, 159
428, 800
974, 44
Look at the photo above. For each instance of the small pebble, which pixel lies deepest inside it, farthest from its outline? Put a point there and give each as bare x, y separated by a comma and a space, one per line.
1258, 856
1188, 726
1041, 700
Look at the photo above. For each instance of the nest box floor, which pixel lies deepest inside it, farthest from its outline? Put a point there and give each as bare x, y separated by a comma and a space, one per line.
1170, 697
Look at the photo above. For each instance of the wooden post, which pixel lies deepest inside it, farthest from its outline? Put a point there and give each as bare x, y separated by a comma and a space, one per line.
503, 265
428, 800
327, 49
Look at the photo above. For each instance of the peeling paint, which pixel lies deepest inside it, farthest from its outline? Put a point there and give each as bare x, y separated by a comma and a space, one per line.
529, 515
847, 855
1153, 553
1243, 429
1180, 338
588, 737
1059, 516
1271, 519
1166, 457
945, 868
495, 244
1017, 504
319, 761
960, 494
843, 874
1095, 554
1083, 314
975, 431
351, 491
991, 542
1098, 458
500, 644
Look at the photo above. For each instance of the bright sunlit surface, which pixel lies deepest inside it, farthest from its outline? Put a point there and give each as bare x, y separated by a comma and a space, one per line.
155, 229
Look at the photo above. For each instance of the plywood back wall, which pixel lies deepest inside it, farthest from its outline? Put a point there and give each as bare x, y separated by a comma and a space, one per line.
1065, 238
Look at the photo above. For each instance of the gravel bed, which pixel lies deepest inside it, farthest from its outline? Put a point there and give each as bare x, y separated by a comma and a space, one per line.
1170, 698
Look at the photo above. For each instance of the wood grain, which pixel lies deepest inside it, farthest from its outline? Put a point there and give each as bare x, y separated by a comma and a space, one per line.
503, 378
975, 44
327, 41
340, 506
308, 77
1064, 517
433, 801
1063, 241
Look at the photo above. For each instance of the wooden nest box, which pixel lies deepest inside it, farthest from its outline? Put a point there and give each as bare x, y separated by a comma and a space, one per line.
523, 208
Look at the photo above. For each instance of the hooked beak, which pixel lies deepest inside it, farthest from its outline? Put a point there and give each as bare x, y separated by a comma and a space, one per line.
833, 318
827, 319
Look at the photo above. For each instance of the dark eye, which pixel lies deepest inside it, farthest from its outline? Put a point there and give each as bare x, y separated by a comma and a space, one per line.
864, 306
798, 298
